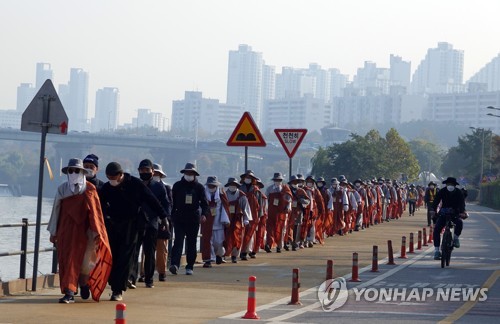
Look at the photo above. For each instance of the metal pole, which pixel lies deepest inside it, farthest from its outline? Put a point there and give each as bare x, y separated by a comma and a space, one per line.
246, 159
46, 108
24, 249
289, 168
482, 166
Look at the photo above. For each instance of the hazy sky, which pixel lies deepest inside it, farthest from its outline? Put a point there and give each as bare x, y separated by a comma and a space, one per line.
155, 50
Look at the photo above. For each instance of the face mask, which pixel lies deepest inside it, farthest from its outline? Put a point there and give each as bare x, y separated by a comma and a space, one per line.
295, 185
309, 185
320, 185
212, 190
189, 178
248, 181
145, 176
357, 185
380, 183
76, 178
432, 187
277, 183
300, 185
91, 175
231, 188
114, 183
450, 188
157, 178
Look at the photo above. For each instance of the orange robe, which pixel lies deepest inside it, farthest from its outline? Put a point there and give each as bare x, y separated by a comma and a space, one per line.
79, 213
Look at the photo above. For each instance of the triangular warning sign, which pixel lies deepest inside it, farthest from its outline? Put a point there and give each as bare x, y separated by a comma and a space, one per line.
290, 139
246, 133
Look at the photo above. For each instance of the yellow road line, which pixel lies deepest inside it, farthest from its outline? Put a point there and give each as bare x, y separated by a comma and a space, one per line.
491, 222
467, 306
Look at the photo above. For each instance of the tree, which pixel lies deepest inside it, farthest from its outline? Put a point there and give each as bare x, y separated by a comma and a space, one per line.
402, 160
429, 155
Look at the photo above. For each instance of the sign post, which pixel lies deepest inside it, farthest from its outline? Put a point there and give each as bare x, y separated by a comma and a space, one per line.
290, 139
44, 114
246, 133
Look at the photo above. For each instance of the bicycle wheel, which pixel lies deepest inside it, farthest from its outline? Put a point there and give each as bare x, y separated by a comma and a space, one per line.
445, 249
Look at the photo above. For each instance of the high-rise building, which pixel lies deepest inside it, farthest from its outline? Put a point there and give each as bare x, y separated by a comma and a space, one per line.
372, 80
366, 110
74, 97
43, 72
295, 83
244, 82
268, 82
468, 109
197, 114
338, 82
441, 71
305, 112
400, 72
489, 74
25, 93
106, 109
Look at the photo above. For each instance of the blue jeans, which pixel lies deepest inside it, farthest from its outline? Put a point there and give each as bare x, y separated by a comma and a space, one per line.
440, 223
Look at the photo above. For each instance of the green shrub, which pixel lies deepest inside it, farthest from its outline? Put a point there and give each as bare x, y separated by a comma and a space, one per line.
490, 194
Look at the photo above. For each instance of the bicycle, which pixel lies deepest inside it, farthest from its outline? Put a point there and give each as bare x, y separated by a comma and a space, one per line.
447, 243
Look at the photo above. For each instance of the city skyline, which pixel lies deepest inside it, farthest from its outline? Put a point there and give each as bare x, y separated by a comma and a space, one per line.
100, 37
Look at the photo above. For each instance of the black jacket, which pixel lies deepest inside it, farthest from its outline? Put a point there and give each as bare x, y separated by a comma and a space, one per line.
123, 203
450, 199
96, 182
160, 192
183, 192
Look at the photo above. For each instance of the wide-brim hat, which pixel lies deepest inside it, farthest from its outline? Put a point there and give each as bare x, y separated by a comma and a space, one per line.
75, 163
301, 177
248, 173
431, 183
310, 177
260, 184
232, 181
321, 179
293, 178
358, 181
451, 180
277, 176
380, 179
190, 167
212, 180
157, 168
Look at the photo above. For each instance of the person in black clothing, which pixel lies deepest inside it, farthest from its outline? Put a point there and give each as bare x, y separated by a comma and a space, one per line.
149, 225
188, 197
164, 234
91, 163
452, 198
122, 199
430, 194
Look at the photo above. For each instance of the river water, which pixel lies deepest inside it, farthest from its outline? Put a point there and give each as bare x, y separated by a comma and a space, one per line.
12, 210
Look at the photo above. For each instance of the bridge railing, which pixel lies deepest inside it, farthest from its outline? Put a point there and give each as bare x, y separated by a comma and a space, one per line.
23, 252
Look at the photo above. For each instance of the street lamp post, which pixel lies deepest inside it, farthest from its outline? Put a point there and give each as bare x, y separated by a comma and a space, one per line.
482, 159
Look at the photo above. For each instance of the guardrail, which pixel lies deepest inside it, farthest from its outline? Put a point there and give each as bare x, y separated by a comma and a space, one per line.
23, 252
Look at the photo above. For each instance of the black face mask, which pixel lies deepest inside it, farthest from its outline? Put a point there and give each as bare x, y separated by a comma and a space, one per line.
145, 176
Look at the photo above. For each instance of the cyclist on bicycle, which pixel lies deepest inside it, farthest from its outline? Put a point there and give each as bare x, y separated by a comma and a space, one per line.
451, 198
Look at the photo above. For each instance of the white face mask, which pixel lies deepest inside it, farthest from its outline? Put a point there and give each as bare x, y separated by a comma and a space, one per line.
295, 185
189, 178
450, 188
320, 185
232, 188
157, 178
309, 184
76, 178
277, 183
248, 181
432, 187
357, 185
212, 190
114, 183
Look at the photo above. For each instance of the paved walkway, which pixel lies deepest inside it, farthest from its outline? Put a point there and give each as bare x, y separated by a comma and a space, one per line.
214, 293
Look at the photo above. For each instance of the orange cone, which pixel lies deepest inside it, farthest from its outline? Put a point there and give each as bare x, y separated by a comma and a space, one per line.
251, 313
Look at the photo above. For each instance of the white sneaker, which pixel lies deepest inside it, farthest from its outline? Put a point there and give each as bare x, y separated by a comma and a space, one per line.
189, 272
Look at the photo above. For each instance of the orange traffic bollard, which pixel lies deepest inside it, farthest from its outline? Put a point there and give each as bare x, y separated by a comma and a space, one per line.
120, 314
329, 269
375, 259
403, 248
251, 313
431, 232
424, 230
390, 253
355, 275
412, 244
419, 242
295, 288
